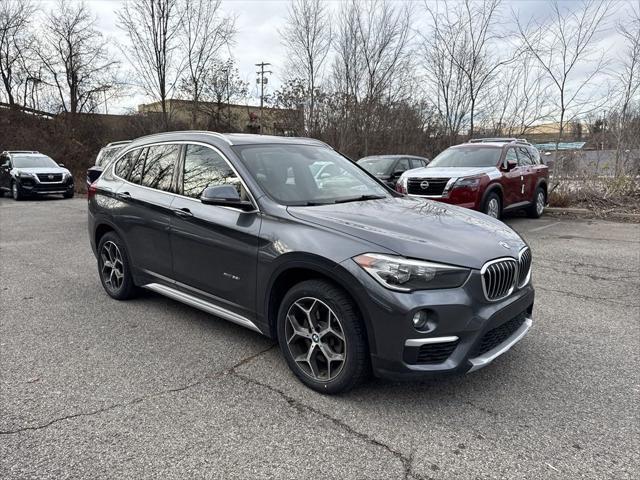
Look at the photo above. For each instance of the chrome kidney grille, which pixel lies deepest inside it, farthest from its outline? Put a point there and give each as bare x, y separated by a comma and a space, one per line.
524, 266
499, 278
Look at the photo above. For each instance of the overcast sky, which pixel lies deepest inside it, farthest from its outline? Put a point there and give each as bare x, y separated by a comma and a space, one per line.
258, 22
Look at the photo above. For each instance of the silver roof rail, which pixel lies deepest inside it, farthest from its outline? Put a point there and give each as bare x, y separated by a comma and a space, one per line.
500, 140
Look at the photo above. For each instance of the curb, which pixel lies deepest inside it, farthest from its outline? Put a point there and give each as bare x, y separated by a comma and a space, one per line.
585, 212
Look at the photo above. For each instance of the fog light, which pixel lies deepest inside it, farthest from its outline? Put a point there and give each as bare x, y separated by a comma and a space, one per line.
420, 320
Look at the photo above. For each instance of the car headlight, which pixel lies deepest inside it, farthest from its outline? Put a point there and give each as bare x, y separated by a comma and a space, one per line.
472, 182
25, 175
404, 275
66, 176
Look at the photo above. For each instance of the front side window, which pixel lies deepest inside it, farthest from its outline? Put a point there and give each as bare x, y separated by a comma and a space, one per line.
524, 157
511, 156
377, 165
307, 174
159, 165
467, 156
416, 163
535, 154
204, 167
402, 165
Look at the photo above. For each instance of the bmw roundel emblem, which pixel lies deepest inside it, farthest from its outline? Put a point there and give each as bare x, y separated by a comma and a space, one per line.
424, 185
504, 245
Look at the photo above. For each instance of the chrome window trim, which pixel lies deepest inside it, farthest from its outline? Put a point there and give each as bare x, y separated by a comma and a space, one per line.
513, 285
186, 142
528, 278
418, 342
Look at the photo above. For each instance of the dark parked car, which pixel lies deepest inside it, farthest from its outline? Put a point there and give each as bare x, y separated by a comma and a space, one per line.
490, 175
105, 155
349, 277
389, 168
30, 173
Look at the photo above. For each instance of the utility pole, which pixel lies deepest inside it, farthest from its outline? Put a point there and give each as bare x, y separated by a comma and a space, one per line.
262, 81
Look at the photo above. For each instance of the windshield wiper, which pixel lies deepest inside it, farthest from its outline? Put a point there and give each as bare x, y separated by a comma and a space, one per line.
360, 198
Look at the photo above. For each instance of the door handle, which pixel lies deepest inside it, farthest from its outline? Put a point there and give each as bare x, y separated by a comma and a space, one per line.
124, 195
183, 212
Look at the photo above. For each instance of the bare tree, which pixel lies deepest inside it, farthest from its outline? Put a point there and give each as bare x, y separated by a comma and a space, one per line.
468, 35
75, 55
15, 40
203, 33
444, 81
628, 80
307, 39
563, 45
153, 28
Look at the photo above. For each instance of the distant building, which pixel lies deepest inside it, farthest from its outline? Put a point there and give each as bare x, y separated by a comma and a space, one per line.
229, 117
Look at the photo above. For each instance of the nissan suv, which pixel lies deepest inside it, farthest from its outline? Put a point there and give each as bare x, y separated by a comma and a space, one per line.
490, 175
346, 274
30, 173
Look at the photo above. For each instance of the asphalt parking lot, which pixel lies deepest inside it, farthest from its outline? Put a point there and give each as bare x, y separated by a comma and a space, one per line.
94, 388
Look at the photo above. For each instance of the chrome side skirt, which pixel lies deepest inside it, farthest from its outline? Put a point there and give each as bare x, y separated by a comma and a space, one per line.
491, 355
202, 305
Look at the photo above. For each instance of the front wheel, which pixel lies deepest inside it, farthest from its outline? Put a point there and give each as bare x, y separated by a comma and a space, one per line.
537, 207
492, 206
68, 195
16, 193
322, 337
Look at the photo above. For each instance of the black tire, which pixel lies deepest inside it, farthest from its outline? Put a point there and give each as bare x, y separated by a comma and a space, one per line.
489, 206
68, 195
16, 192
355, 367
536, 209
125, 288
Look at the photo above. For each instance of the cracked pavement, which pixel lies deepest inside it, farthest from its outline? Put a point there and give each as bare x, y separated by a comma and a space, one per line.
91, 387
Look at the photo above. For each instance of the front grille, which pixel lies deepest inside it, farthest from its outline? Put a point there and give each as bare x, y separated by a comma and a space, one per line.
432, 353
499, 278
524, 265
426, 186
496, 336
50, 177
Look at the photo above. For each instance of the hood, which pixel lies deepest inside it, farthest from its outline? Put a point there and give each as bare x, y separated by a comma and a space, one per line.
420, 229
450, 172
41, 170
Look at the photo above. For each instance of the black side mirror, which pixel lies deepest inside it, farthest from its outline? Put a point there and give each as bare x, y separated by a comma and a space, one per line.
509, 165
225, 196
61, 164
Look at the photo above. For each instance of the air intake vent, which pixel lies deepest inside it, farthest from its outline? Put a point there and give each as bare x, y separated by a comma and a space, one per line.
499, 278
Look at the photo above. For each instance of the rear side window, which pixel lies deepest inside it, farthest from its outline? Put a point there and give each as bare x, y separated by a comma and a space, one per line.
125, 164
159, 165
204, 167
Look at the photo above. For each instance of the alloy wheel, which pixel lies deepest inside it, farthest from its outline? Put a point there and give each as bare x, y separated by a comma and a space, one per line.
540, 203
315, 339
14, 190
112, 270
493, 208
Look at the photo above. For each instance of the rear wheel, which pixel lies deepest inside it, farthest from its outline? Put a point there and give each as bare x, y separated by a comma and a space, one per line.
492, 205
536, 209
322, 337
114, 267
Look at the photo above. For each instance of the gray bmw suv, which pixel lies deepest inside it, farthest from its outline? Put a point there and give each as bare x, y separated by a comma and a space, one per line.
349, 276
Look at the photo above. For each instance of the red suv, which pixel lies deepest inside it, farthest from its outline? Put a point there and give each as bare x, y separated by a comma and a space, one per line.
490, 175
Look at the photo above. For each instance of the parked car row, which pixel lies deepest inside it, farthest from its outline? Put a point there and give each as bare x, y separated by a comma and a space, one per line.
289, 238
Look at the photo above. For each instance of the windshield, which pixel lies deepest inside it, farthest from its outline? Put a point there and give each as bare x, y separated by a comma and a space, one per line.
377, 165
471, 156
32, 161
108, 154
307, 174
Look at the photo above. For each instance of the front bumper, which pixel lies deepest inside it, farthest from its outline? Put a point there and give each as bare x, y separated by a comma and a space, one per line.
465, 331
31, 186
